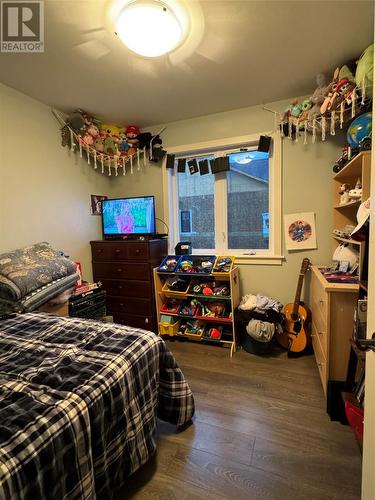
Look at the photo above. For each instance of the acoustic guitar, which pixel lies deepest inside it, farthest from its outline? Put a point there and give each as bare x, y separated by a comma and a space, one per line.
296, 337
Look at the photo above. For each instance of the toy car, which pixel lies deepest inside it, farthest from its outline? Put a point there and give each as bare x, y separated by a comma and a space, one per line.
343, 160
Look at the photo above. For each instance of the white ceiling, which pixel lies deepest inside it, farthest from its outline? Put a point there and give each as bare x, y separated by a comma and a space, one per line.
250, 52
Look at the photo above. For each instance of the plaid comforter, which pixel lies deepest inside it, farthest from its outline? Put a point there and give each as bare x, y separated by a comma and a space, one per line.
78, 405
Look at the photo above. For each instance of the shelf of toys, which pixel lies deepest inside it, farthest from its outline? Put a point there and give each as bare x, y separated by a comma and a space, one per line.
195, 298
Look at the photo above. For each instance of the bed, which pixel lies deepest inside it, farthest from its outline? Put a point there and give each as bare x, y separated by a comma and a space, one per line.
79, 402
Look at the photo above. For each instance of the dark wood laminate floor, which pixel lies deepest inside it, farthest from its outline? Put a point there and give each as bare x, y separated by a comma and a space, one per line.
260, 432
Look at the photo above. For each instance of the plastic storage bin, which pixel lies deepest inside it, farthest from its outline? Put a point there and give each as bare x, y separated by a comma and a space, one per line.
197, 269
164, 268
175, 293
193, 330
220, 273
170, 329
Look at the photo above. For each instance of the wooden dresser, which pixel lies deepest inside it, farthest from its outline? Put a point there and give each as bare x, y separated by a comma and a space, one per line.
332, 306
125, 269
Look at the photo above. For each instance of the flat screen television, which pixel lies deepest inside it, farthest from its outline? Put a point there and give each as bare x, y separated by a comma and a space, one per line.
128, 216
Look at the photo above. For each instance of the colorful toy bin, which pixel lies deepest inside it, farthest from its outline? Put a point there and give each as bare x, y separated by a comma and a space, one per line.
196, 264
169, 327
223, 265
169, 264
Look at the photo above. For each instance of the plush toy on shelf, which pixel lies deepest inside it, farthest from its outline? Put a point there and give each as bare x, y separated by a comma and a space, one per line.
344, 193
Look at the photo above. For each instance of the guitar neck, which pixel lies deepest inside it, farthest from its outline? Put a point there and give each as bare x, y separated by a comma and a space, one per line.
298, 293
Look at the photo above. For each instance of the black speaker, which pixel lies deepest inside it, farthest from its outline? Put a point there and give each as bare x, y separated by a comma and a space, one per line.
220, 164
181, 165
203, 167
264, 143
170, 161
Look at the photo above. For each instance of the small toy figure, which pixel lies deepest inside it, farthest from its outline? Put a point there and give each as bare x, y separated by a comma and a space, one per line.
344, 158
356, 193
344, 193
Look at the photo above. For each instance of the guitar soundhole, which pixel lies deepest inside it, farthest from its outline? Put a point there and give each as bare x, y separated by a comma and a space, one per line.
294, 317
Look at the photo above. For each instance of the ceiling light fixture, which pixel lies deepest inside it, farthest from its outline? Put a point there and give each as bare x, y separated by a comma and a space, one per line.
149, 28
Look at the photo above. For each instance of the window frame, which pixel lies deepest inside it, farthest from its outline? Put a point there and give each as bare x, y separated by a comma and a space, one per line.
273, 255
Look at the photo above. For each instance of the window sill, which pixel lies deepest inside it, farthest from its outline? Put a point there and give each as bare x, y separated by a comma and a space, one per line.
261, 260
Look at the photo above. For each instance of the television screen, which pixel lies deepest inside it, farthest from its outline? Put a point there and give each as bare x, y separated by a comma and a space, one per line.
128, 216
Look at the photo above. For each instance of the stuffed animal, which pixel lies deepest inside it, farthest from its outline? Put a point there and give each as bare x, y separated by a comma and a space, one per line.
111, 129
132, 132
364, 71
109, 145
98, 144
293, 110
317, 98
87, 140
144, 139
305, 105
93, 130
328, 94
122, 145
77, 123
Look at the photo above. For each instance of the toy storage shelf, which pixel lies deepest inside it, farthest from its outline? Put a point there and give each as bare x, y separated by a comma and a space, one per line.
230, 279
358, 167
354, 168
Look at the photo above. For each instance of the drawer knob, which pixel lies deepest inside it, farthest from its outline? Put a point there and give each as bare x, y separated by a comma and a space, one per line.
120, 287
117, 250
121, 304
119, 270
137, 251
100, 250
146, 320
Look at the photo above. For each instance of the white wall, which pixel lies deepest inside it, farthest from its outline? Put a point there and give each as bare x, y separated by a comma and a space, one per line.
44, 189
307, 186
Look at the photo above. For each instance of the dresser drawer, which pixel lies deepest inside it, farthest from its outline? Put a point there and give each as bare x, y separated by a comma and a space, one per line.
122, 270
322, 335
120, 250
129, 305
108, 250
137, 250
321, 361
127, 288
319, 299
134, 320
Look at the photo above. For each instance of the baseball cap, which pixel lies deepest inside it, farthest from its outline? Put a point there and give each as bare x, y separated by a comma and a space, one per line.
363, 213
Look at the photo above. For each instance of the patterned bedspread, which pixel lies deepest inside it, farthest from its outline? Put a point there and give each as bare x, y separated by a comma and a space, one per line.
78, 405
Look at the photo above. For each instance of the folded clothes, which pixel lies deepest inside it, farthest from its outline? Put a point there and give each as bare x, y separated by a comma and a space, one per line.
25, 270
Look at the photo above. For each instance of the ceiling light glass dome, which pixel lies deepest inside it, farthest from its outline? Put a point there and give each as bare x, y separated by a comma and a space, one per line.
149, 28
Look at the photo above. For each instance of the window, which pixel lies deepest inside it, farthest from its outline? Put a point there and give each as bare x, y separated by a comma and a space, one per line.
234, 212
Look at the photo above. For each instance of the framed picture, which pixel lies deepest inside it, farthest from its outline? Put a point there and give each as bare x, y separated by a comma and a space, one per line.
300, 231
96, 203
